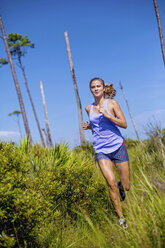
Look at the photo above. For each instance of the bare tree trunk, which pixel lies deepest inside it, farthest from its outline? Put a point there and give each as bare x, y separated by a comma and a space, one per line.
160, 29
35, 114
121, 87
46, 114
162, 151
19, 127
45, 137
162, 147
16, 83
82, 136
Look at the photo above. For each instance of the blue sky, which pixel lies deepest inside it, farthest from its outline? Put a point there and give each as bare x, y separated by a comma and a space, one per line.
115, 40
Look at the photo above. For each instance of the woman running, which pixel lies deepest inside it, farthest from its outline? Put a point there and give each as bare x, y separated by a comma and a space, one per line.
105, 117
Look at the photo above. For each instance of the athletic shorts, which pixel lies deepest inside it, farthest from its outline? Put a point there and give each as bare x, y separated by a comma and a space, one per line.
118, 156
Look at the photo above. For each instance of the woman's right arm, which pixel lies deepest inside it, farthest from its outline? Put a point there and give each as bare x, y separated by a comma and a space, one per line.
86, 125
88, 107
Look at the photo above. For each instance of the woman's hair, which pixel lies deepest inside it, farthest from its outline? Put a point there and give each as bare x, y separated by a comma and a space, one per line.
97, 78
110, 91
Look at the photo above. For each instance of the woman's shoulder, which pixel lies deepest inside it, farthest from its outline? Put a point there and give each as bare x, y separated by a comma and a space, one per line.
88, 107
112, 103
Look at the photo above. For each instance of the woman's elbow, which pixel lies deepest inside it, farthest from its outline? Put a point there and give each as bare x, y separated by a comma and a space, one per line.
125, 125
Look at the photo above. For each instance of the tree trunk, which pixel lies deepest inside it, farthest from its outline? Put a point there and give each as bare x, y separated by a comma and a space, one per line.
16, 83
19, 127
45, 137
82, 136
121, 87
160, 29
162, 147
35, 114
46, 114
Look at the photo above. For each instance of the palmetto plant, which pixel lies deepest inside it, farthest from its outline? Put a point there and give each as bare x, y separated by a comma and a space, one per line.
58, 198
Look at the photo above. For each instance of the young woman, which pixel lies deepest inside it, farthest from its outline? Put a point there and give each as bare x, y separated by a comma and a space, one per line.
105, 117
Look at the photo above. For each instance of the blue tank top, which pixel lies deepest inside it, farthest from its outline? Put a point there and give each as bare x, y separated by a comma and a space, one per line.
106, 136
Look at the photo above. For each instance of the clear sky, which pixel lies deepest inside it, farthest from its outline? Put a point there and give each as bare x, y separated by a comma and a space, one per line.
115, 40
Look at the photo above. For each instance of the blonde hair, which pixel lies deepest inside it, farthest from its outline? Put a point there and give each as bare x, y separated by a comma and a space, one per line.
110, 91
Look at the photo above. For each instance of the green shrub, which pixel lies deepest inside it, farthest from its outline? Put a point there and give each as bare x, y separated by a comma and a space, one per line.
41, 183
59, 198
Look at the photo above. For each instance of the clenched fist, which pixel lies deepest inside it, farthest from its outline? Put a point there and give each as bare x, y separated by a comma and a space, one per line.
86, 125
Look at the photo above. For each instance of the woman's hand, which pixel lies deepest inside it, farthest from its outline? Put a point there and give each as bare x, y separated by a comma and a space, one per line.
86, 125
103, 111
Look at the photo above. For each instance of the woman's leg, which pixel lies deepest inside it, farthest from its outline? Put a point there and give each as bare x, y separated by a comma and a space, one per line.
124, 173
106, 167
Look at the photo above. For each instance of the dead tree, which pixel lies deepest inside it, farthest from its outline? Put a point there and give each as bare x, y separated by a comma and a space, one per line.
16, 83
46, 114
160, 29
18, 47
133, 123
162, 149
45, 137
32, 104
80, 118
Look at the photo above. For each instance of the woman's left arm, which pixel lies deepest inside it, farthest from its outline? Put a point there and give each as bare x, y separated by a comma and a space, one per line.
119, 118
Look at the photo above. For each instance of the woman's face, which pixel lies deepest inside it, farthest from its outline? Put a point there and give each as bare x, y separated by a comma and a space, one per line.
97, 88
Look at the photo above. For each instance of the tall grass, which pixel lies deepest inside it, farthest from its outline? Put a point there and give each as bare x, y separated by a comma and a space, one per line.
58, 198
144, 209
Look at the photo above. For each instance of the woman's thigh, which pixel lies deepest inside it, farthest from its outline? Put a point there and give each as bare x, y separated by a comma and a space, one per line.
106, 167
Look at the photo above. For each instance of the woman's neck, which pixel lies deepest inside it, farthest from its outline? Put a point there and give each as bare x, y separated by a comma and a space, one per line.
99, 101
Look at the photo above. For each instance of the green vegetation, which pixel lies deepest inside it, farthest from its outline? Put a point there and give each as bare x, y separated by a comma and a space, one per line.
18, 44
58, 198
3, 62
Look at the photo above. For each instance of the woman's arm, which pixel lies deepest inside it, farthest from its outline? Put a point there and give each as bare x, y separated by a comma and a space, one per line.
119, 118
86, 125
88, 107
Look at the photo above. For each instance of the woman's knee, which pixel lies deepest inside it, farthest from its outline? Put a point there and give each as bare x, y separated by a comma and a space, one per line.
127, 186
112, 184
